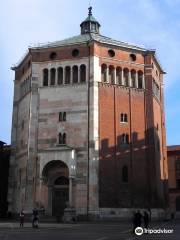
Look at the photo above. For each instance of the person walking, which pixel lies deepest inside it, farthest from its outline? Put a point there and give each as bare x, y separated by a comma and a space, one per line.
146, 219
35, 218
149, 210
22, 216
136, 220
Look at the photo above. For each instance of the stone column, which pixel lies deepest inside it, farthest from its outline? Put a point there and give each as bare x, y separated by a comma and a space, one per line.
71, 75
107, 74
63, 74
136, 80
49, 208
129, 79
115, 76
40, 189
122, 77
56, 76
79, 73
143, 81
70, 191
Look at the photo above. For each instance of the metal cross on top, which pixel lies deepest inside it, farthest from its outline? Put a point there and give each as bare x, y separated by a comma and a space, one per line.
90, 11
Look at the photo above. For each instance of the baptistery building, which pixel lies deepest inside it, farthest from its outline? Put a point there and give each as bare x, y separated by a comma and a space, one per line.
88, 128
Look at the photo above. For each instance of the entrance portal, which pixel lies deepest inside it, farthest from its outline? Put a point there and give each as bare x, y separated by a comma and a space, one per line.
60, 196
56, 179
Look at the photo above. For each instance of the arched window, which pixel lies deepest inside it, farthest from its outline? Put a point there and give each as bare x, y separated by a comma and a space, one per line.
64, 116
140, 79
125, 174
64, 138
83, 73
60, 139
60, 75
133, 78
45, 77
124, 118
53, 76
60, 117
126, 77
67, 75
111, 75
75, 74
103, 73
119, 75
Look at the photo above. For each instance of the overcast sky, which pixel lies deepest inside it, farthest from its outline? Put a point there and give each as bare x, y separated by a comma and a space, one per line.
152, 23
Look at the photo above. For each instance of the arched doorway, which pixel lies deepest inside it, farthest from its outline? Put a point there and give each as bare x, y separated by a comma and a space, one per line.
60, 195
178, 203
56, 179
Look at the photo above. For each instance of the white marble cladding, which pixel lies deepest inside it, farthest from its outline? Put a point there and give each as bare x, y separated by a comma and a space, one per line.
66, 156
40, 110
73, 101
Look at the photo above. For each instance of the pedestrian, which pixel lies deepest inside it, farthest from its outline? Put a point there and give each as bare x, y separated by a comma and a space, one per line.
137, 220
149, 210
35, 218
36, 221
22, 216
146, 219
134, 221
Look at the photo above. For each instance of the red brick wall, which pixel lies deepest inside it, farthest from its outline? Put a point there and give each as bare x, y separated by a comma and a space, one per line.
113, 155
145, 185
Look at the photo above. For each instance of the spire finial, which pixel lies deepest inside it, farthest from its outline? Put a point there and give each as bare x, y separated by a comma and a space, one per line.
90, 11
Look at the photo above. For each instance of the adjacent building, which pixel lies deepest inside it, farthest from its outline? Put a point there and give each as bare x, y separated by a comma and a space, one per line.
4, 171
88, 127
173, 153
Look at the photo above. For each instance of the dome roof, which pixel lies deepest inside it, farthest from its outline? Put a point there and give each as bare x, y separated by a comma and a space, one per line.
90, 24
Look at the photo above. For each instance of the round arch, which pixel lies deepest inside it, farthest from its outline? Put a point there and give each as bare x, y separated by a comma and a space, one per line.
53, 169
56, 182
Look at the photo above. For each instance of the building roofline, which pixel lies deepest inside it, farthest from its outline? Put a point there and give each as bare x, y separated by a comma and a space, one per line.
158, 63
21, 60
2, 143
89, 37
173, 148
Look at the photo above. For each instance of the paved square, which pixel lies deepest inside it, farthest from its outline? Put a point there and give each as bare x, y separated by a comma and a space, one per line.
85, 231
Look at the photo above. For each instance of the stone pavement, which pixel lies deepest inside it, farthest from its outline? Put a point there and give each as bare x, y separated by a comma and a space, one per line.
85, 231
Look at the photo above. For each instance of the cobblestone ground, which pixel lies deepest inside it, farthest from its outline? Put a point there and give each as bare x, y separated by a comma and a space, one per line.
86, 231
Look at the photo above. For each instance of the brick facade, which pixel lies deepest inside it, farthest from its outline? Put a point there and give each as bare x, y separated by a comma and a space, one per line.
173, 153
119, 79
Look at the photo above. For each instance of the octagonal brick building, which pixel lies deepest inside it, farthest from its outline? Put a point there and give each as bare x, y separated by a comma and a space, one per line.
88, 127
